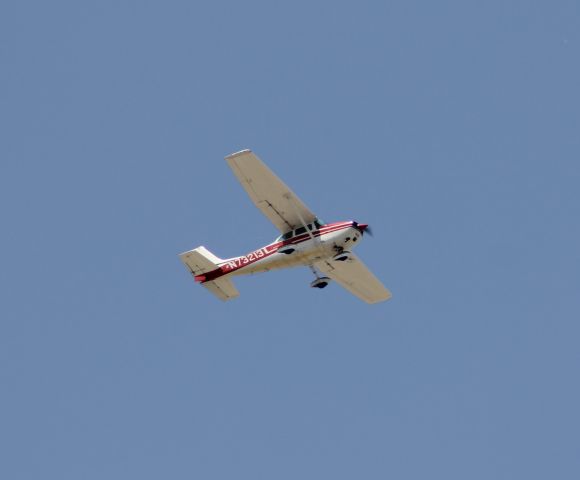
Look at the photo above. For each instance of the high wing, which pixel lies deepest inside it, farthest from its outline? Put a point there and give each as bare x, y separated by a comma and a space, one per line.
356, 278
284, 209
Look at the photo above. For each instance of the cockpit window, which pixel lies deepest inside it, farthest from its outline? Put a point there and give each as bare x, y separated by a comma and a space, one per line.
286, 236
299, 231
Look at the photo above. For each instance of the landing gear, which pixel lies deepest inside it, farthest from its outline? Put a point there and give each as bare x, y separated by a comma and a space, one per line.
342, 256
320, 282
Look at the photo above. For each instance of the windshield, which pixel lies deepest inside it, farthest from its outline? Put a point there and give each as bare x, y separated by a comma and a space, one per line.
283, 237
300, 230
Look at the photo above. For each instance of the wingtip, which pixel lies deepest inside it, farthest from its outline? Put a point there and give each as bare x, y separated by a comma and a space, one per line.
238, 154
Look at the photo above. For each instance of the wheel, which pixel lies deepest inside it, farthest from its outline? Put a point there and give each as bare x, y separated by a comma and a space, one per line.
320, 282
342, 256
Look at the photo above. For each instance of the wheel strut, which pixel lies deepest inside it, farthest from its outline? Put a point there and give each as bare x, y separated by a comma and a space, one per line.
320, 282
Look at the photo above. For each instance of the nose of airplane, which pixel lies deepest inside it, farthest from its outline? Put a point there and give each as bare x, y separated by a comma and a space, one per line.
362, 228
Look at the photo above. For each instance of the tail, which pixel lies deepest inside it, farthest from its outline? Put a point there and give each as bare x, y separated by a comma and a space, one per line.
199, 261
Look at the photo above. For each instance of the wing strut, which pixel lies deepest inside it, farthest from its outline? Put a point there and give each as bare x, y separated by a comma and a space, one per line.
267, 191
288, 196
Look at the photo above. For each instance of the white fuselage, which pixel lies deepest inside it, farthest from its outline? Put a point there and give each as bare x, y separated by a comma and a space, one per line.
301, 249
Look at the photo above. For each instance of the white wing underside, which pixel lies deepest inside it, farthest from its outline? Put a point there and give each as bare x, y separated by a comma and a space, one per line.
356, 278
223, 288
284, 209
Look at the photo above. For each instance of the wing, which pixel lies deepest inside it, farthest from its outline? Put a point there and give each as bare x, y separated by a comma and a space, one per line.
356, 278
284, 209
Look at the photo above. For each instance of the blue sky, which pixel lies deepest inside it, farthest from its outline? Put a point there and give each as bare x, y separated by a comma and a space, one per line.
451, 127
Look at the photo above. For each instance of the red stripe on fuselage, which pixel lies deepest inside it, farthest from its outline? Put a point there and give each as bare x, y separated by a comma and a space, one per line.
269, 250
332, 227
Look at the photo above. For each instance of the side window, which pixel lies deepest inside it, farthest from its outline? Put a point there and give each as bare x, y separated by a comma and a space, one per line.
310, 226
287, 235
300, 231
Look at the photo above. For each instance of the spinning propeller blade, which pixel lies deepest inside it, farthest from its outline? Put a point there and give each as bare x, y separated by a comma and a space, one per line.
363, 228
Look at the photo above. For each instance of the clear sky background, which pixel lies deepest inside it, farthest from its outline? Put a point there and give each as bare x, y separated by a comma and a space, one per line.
452, 127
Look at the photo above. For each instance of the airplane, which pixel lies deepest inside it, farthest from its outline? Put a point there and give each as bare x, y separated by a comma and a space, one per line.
304, 240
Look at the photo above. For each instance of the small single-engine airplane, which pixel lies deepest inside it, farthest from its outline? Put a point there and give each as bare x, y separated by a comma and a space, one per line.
304, 241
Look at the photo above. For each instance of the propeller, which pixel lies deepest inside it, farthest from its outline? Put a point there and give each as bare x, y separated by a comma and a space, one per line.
363, 228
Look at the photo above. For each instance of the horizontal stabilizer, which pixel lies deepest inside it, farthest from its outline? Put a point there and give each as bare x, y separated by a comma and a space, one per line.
200, 260
223, 288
